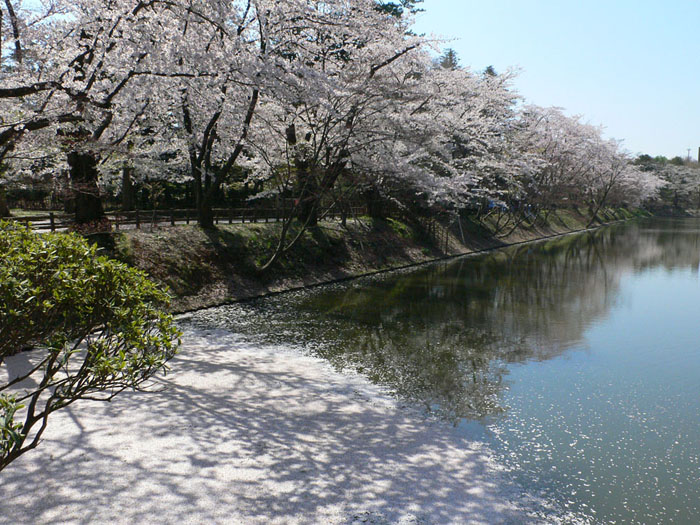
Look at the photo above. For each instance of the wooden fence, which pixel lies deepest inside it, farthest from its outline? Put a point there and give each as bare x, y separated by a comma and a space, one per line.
53, 221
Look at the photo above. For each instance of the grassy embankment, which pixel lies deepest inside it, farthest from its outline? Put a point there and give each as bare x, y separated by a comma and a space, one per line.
206, 268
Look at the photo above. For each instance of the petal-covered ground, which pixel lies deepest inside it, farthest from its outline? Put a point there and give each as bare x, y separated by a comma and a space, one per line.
242, 434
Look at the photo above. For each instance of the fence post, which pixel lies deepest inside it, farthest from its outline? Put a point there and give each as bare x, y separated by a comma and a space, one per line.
53, 223
187, 216
138, 220
172, 217
230, 215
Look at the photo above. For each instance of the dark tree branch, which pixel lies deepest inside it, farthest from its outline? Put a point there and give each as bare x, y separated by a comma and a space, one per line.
15, 30
388, 61
23, 91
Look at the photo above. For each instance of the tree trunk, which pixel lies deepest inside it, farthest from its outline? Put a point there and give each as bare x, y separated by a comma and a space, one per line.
202, 199
83, 174
308, 194
127, 189
4, 209
307, 185
205, 215
375, 204
308, 209
67, 192
15, 24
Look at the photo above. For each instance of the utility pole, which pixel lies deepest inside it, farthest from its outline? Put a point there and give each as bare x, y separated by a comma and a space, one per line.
688, 154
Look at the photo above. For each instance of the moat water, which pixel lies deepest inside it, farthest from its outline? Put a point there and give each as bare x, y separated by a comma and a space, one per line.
576, 359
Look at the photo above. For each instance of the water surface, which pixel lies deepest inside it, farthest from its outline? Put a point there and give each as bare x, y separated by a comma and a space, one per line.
578, 358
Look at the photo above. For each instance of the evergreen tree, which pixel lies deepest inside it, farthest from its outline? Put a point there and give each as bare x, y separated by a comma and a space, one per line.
397, 8
449, 59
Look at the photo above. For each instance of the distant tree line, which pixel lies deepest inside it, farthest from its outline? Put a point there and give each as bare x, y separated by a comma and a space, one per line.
679, 190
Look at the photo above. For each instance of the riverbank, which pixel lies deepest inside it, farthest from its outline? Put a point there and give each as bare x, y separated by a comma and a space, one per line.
209, 268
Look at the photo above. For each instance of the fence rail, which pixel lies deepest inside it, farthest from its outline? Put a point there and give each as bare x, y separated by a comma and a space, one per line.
53, 221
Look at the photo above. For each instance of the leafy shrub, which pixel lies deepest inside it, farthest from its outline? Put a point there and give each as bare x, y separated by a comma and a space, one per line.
96, 325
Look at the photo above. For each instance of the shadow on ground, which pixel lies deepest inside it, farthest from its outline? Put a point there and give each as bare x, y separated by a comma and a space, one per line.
243, 435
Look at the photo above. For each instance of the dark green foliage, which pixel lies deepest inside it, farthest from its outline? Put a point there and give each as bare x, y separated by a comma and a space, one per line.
677, 161
397, 8
449, 59
95, 325
490, 71
648, 163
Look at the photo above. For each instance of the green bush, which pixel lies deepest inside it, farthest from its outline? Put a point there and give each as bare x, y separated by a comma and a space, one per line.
95, 327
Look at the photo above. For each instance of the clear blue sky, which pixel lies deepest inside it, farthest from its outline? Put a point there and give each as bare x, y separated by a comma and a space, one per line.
632, 66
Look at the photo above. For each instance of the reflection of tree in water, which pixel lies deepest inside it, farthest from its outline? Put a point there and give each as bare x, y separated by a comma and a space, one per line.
670, 244
445, 335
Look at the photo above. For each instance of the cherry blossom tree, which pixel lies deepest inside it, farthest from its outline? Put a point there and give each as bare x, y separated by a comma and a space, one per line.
319, 102
578, 165
678, 186
269, 55
70, 64
389, 123
322, 79
89, 81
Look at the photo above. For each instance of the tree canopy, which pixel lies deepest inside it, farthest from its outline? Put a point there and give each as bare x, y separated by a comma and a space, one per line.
317, 103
